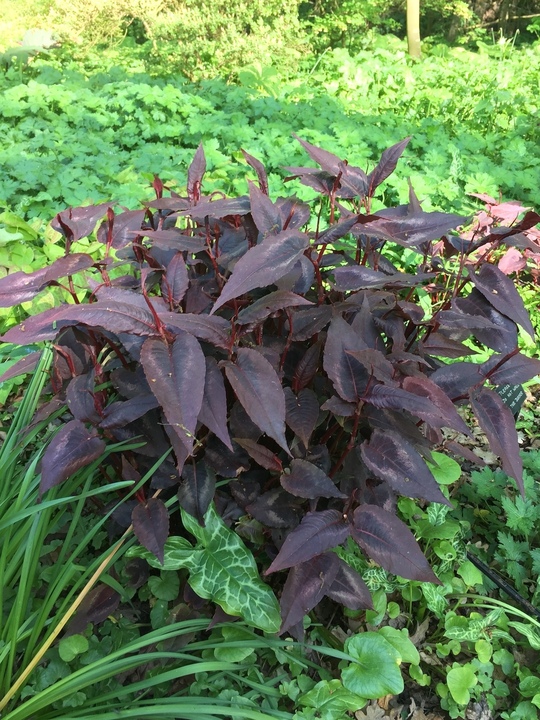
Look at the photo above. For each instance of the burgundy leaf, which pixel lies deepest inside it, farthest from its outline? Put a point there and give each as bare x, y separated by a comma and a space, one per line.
72, 448
302, 413
151, 526
117, 318
307, 366
464, 452
339, 407
19, 287
428, 389
214, 330
337, 231
354, 180
329, 163
176, 375
392, 398
349, 377
124, 227
268, 305
375, 363
306, 480
219, 208
80, 397
387, 540
258, 388
263, 264
195, 175
310, 321
318, 532
173, 239
357, 277
438, 345
176, 281
96, 607
121, 413
501, 292
265, 214
387, 165
259, 169
512, 261
497, 421
262, 455
458, 378
227, 463
415, 228
305, 587
81, 220
516, 370
392, 459
197, 489
349, 589
23, 366
502, 336
274, 508
213, 412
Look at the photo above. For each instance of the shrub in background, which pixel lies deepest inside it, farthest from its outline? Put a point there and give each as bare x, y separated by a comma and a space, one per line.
292, 368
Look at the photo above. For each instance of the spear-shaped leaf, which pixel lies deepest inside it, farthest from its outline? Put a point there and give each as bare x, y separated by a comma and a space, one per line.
151, 526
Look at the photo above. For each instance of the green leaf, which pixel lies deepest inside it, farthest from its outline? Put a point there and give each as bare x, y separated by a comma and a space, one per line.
532, 635
484, 650
226, 653
70, 647
376, 671
331, 700
400, 640
446, 470
165, 587
530, 686
470, 574
460, 680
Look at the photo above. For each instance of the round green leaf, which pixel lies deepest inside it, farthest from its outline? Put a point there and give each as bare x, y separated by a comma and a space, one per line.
400, 640
460, 680
70, 647
470, 574
375, 672
446, 470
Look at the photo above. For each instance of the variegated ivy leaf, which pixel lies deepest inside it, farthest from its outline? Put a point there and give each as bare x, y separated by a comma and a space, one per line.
221, 569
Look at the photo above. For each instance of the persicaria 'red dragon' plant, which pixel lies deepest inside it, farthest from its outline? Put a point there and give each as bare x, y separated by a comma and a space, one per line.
274, 346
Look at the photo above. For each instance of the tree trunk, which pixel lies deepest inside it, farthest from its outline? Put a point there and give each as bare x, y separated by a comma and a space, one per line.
413, 28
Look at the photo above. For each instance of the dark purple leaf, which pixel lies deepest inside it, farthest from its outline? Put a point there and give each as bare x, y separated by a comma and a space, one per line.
274, 508
375, 363
125, 226
259, 169
415, 228
302, 413
349, 589
117, 318
268, 305
307, 322
219, 208
214, 330
457, 379
72, 448
263, 264
23, 366
258, 388
357, 277
329, 163
174, 239
458, 322
501, 292
96, 607
306, 480
80, 398
226, 463
262, 455
81, 220
213, 412
349, 377
387, 540
197, 489
464, 452
318, 532
195, 175
392, 398
438, 345
502, 337
305, 587
121, 413
516, 370
339, 407
265, 214
19, 287
337, 231
386, 165
497, 421
176, 375
430, 390
392, 459
151, 526
176, 281
306, 368
354, 180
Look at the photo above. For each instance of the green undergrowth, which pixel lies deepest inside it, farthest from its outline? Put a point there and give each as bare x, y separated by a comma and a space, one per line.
101, 126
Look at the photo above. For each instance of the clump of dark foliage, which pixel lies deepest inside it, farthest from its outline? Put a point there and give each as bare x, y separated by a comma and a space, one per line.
273, 345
